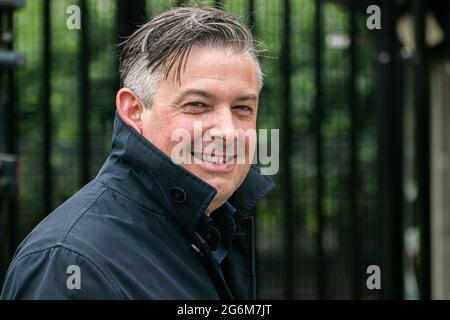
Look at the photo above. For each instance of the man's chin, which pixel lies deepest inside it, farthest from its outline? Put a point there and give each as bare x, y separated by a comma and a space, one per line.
223, 185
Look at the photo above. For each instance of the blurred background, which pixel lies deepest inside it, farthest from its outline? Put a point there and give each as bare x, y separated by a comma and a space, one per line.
362, 101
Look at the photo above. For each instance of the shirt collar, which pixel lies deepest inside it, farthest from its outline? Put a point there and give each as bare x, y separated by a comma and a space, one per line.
142, 172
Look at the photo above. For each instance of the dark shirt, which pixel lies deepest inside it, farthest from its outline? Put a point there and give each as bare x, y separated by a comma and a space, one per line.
223, 221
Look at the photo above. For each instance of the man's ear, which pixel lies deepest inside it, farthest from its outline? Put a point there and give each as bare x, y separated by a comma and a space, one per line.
130, 108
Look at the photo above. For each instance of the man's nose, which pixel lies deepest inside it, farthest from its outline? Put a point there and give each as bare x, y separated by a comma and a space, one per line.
224, 124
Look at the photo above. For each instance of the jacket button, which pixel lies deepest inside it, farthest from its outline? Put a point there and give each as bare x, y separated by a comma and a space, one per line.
212, 237
178, 194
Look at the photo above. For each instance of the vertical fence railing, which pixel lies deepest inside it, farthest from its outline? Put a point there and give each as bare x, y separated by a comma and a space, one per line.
251, 15
47, 189
355, 223
251, 22
318, 116
129, 15
85, 89
3, 230
11, 135
286, 156
8, 136
390, 152
421, 101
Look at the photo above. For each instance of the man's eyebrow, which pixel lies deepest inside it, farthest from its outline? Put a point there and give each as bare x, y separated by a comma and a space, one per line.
247, 97
196, 92
209, 95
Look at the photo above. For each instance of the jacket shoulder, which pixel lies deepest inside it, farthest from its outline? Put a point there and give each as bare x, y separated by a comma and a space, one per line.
58, 272
55, 228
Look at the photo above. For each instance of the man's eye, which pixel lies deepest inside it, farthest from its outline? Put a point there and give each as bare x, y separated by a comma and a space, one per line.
245, 109
196, 105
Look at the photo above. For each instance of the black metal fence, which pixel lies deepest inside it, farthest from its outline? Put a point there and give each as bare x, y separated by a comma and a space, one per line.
332, 86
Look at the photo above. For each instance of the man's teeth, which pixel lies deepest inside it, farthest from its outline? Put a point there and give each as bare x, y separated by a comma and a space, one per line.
213, 159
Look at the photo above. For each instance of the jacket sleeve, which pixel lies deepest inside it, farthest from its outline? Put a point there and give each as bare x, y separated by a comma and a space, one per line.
57, 273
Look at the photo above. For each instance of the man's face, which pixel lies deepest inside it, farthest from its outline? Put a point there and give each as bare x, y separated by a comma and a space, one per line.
218, 90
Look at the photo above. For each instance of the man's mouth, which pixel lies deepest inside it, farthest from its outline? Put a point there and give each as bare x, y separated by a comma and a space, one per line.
214, 159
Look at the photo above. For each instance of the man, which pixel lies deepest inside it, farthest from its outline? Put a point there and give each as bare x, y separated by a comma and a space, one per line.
149, 227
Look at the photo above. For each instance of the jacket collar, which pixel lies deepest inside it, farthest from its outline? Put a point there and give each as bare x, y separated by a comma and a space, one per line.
141, 172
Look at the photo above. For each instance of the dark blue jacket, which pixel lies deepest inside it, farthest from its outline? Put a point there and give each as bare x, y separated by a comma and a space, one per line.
138, 231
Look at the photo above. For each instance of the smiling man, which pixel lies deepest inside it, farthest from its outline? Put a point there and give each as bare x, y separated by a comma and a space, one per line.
149, 227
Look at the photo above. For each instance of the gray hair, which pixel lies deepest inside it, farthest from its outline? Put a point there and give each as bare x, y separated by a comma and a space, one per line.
164, 42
